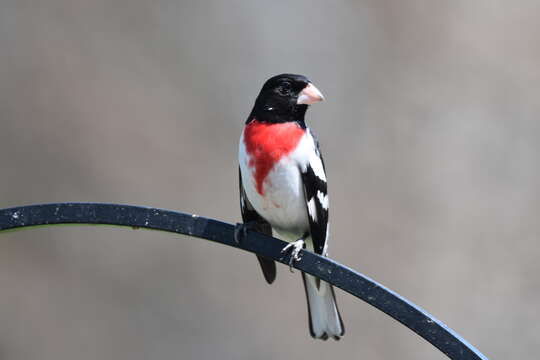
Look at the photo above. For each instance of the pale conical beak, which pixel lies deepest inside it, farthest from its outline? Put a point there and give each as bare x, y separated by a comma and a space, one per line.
310, 95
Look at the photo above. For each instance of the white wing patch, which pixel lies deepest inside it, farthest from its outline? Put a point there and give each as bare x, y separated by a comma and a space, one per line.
307, 154
312, 210
323, 199
315, 159
316, 164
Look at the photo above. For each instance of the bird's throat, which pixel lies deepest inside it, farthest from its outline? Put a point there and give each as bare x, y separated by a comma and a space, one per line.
266, 144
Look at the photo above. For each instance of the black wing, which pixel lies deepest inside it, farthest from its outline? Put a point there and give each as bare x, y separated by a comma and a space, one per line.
257, 223
316, 194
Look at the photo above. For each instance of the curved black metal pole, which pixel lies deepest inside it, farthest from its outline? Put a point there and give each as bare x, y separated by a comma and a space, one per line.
384, 299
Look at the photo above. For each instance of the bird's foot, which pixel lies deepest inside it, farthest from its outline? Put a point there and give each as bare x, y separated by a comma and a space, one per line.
241, 229
296, 247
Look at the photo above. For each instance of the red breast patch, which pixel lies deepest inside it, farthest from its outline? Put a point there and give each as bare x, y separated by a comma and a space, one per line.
267, 144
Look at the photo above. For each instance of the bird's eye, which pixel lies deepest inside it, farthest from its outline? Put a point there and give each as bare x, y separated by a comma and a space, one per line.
284, 88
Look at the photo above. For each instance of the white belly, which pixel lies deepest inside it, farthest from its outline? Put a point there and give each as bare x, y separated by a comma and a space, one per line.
283, 203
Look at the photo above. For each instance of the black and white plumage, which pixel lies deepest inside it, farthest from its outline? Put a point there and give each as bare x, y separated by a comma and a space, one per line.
283, 188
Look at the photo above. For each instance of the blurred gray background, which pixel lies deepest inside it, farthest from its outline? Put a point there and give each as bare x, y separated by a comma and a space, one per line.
430, 134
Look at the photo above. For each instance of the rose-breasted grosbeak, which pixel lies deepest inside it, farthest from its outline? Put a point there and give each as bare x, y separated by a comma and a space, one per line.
283, 187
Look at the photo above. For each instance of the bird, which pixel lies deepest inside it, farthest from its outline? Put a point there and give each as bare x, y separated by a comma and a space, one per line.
283, 188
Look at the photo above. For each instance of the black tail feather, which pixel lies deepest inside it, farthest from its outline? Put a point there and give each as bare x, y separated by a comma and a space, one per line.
268, 267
